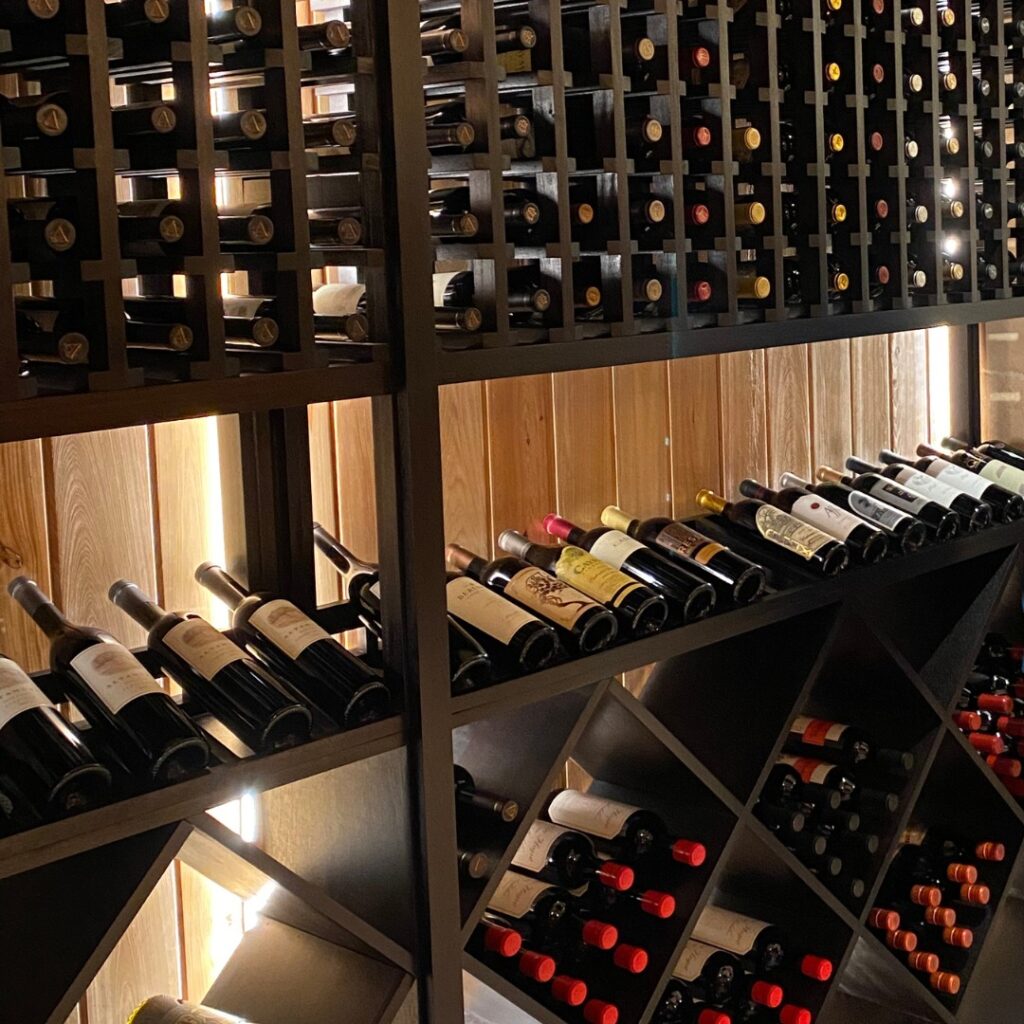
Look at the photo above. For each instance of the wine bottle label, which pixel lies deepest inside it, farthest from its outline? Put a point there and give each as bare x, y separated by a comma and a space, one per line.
928, 486
595, 578
206, 649
532, 854
287, 627
889, 491
114, 674
482, 608
587, 813
17, 692
692, 960
1005, 475
549, 596
809, 769
877, 511
788, 532
516, 894
338, 299
816, 732
441, 282
958, 477
828, 518
245, 307
683, 541
727, 930
614, 547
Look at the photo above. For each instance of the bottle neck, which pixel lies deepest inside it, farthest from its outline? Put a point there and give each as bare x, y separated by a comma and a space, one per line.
860, 466
891, 458
350, 567
465, 560
222, 585
45, 614
536, 554
752, 489
135, 603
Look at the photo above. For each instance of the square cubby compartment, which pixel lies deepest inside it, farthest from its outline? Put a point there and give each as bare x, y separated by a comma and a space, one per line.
962, 804
862, 734
620, 753
707, 697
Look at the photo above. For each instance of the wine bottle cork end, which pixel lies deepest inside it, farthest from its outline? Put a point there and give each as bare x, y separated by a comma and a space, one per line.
265, 331
645, 48
833, 72
337, 34
591, 297
180, 338
52, 120
118, 589
585, 213
73, 348
60, 234
710, 501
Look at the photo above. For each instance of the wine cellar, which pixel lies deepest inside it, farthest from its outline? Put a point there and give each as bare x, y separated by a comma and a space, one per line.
290, 284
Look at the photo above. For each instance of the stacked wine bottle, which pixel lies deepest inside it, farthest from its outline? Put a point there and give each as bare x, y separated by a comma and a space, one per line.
935, 905
276, 681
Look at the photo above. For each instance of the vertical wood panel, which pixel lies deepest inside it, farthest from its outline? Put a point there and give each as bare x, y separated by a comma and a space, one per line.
325, 494
212, 927
1002, 381
643, 455
584, 445
24, 547
520, 441
909, 365
464, 457
695, 430
145, 961
742, 391
102, 520
871, 395
353, 441
831, 403
787, 408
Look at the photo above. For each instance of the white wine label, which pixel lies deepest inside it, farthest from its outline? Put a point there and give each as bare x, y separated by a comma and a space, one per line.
957, 476
482, 608
243, 306
788, 532
828, 518
683, 541
206, 649
441, 282
287, 627
338, 299
114, 674
877, 511
592, 814
1005, 475
928, 486
889, 491
595, 578
809, 769
692, 960
549, 596
17, 692
532, 854
726, 930
516, 894
816, 732
614, 547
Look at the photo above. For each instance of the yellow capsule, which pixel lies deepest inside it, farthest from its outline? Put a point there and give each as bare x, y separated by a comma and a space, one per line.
838, 212
833, 72
836, 142
840, 281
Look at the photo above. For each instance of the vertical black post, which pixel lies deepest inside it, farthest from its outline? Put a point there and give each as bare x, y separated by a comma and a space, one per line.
965, 382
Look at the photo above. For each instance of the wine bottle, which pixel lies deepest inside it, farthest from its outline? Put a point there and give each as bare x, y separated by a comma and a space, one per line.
705, 973
325, 35
149, 732
168, 1010
692, 597
823, 553
246, 225
962, 470
314, 662
987, 465
469, 663
537, 910
235, 25
29, 13
478, 802
622, 831
134, 15
760, 946
566, 857
334, 133
33, 117
997, 450
738, 578
815, 737
239, 129
907, 532
44, 762
867, 541
940, 522
583, 624
220, 674
974, 514
41, 230
158, 336
752, 288
50, 331
251, 320
340, 309
137, 123
153, 227
640, 609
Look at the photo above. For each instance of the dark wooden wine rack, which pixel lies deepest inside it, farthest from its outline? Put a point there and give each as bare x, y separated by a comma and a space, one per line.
369, 922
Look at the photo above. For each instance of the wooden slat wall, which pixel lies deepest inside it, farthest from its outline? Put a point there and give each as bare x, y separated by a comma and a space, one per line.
77, 512
1002, 381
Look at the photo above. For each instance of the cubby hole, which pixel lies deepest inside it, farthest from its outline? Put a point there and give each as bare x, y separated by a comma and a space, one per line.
959, 800
600, 191
755, 881
590, 125
703, 697
858, 684
623, 753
